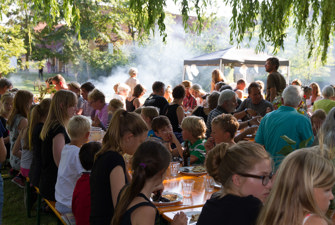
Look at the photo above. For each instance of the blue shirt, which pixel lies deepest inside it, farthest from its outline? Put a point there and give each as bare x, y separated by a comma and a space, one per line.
284, 121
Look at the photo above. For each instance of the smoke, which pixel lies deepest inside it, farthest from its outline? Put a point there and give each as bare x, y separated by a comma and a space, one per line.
156, 61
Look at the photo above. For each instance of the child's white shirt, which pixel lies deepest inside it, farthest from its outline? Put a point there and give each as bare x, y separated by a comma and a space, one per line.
69, 171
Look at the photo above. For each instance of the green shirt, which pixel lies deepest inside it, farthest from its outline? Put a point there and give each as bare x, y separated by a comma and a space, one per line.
199, 151
325, 104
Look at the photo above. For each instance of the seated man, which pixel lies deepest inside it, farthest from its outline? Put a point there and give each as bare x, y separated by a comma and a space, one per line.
96, 100
240, 86
157, 98
255, 104
284, 121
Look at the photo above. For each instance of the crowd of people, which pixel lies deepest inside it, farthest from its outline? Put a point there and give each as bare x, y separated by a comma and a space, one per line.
49, 143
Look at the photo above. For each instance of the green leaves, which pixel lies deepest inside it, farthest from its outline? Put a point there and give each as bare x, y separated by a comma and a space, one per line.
291, 145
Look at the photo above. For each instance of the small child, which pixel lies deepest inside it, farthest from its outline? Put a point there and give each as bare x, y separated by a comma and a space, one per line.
194, 133
81, 200
163, 130
69, 168
113, 105
148, 113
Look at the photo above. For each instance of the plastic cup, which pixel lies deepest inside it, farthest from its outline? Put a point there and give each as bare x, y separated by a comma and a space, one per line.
209, 183
174, 168
187, 186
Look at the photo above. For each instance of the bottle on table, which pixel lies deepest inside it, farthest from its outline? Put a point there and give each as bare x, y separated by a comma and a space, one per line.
186, 155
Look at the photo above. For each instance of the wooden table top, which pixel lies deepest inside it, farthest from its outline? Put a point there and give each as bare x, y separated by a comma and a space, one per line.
169, 215
197, 198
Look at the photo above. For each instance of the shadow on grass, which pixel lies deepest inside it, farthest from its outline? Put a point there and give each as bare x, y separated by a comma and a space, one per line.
14, 210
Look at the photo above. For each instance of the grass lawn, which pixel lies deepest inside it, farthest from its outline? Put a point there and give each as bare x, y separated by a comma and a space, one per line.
14, 211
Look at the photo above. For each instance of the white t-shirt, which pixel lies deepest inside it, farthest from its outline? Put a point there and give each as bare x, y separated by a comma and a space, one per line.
69, 171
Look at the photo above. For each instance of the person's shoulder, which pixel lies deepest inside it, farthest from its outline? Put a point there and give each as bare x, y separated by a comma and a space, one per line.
315, 219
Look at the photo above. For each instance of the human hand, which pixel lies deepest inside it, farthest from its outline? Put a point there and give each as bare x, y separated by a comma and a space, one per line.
252, 112
209, 145
179, 219
255, 121
96, 121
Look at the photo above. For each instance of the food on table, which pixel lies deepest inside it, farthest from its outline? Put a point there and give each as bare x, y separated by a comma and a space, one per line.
195, 217
198, 169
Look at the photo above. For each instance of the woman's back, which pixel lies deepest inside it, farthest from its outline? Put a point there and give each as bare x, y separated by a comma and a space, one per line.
172, 115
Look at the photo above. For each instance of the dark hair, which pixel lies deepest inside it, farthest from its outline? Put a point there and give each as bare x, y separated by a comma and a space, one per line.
87, 86
225, 87
274, 61
151, 158
178, 92
138, 89
157, 86
4, 82
220, 84
87, 153
212, 99
159, 122
240, 81
254, 85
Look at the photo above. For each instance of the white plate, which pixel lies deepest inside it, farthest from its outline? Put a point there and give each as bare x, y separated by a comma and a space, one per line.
189, 216
190, 172
178, 200
217, 185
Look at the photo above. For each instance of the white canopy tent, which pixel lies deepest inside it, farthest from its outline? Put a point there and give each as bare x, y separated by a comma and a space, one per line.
233, 57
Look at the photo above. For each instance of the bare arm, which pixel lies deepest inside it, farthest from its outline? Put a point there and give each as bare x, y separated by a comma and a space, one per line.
137, 103
3, 151
180, 114
117, 181
273, 93
144, 215
58, 143
17, 145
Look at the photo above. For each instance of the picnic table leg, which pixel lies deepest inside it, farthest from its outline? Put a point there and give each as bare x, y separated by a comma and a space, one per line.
38, 209
28, 199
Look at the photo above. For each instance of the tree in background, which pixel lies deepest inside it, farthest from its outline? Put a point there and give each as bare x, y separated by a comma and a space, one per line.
11, 45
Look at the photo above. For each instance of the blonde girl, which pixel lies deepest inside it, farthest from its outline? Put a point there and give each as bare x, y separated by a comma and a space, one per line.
54, 136
217, 76
245, 172
301, 192
126, 132
18, 121
149, 165
38, 116
6, 107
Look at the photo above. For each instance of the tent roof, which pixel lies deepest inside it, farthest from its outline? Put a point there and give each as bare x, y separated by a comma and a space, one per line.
233, 56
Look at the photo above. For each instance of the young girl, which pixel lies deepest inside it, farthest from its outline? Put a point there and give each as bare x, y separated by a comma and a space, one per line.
21, 148
38, 116
125, 133
149, 165
245, 172
5, 110
301, 192
17, 121
54, 136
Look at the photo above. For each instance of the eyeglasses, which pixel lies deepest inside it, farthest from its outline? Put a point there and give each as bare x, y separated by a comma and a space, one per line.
265, 179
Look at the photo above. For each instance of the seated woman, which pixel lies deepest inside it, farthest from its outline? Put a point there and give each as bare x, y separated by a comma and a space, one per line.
302, 190
245, 172
212, 103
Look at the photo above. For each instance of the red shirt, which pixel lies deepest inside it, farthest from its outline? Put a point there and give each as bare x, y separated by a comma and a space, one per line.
189, 102
81, 200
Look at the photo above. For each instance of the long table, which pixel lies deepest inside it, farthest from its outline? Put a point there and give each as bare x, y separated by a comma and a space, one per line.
196, 200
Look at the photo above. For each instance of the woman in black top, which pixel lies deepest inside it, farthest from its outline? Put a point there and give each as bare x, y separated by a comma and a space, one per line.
212, 103
149, 164
245, 172
127, 130
175, 111
134, 102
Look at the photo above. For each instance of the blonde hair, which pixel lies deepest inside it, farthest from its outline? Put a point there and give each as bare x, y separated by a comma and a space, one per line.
150, 111
78, 127
58, 78
196, 125
291, 197
61, 101
227, 122
121, 123
75, 87
115, 103
20, 105
96, 95
38, 113
133, 71
223, 162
